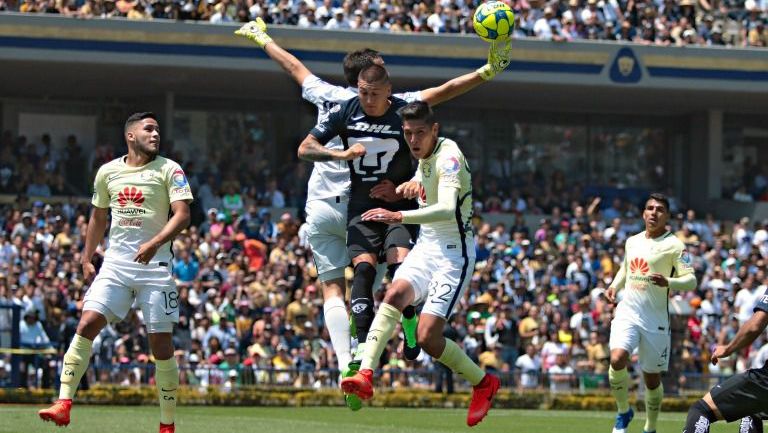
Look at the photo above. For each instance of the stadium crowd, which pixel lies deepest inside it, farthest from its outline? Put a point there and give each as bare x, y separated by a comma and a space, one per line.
658, 22
535, 309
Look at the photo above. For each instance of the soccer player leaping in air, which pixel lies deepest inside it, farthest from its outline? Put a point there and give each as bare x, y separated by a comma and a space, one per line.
438, 269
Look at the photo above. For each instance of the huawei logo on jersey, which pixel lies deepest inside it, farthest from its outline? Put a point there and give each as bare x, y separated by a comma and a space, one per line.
639, 264
130, 194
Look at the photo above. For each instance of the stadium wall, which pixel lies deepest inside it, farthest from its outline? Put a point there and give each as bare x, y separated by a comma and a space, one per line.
103, 68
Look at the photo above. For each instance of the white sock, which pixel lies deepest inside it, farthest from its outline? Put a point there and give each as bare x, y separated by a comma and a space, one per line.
337, 322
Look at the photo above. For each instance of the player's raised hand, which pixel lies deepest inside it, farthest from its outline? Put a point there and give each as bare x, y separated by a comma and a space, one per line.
499, 57
719, 352
146, 252
610, 295
357, 150
659, 280
410, 189
88, 270
255, 31
385, 190
380, 215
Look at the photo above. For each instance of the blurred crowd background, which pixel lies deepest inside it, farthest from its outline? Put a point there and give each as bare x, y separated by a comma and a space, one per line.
652, 22
251, 307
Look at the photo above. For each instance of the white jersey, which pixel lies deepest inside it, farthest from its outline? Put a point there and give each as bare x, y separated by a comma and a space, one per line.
447, 166
644, 303
140, 199
331, 178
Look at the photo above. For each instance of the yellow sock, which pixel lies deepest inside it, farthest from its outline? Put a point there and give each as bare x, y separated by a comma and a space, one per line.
619, 380
653, 406
458, 361
75, 364
381, 331
167, 382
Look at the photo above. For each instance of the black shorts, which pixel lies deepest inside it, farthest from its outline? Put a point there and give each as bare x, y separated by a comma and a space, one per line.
376, 238
742, 395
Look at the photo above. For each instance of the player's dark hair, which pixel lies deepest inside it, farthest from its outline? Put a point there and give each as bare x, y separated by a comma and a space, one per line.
138, 117
356, 61
418, 110
374, 74
659, 197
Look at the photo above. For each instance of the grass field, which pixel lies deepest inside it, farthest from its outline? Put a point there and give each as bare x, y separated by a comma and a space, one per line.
205, 419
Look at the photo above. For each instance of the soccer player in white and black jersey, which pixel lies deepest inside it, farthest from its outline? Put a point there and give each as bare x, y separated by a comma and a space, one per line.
371, 132
743, 396
329, 183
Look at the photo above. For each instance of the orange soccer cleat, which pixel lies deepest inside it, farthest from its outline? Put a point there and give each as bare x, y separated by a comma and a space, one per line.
58, 413
167, 428
361, 384
482, 399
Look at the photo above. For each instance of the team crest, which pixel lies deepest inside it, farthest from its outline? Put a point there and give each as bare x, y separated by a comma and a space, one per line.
426, 168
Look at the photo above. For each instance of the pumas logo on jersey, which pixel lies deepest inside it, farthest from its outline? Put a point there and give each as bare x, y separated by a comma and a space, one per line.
372, 127
130, 194
638, 264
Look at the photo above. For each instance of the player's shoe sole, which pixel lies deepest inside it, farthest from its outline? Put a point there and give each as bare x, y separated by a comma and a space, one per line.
352, 401
58, 413
361, 384
482, 399
167, 428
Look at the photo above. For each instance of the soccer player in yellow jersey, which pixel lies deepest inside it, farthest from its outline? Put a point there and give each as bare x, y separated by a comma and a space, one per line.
655, 262
140, 188
438, 268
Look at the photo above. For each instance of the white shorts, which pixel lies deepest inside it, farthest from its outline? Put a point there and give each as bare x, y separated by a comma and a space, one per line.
652, 347
119, 283
439, 277
327, 236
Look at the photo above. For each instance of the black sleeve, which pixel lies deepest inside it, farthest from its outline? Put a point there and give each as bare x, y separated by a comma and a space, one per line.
333, 125
762, 303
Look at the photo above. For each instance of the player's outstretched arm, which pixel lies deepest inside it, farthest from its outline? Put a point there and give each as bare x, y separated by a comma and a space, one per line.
97, 225
257, 32
744, 337
499, 55
312, 150
178, 222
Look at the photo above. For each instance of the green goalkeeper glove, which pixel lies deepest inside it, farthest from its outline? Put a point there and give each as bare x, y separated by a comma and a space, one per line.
499, 56
255, 31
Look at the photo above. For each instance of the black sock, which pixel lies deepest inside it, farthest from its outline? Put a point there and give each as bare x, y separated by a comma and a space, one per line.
391, 269
751, 424
362, 299
700, 416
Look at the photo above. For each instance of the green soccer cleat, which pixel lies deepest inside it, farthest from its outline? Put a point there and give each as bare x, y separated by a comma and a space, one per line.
353, 402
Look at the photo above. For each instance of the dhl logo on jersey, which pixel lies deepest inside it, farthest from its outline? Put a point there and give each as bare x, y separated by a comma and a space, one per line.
130, 194
638, 264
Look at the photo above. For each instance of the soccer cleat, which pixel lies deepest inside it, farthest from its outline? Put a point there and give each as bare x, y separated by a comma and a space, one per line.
622, 421
411, 353
361, 384
353, 402
58, 413
167, 428
482, 399
255, 31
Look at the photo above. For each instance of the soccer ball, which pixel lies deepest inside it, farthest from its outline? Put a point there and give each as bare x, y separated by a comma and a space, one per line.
493, 20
